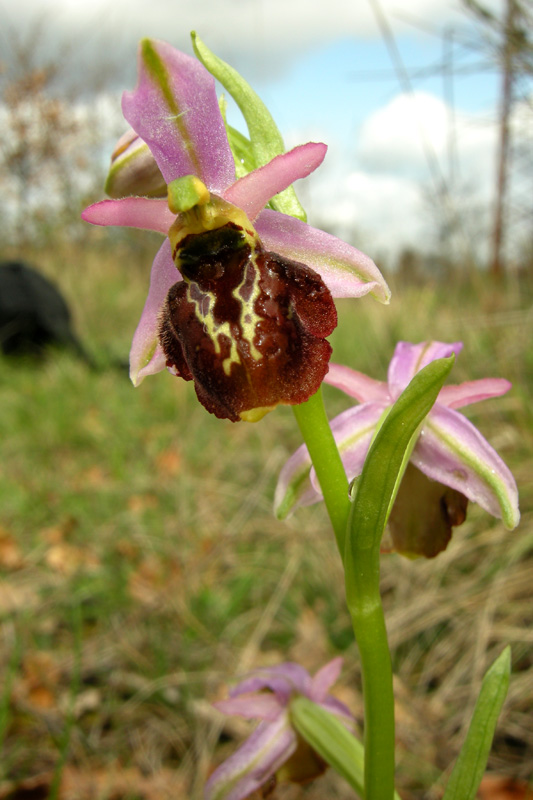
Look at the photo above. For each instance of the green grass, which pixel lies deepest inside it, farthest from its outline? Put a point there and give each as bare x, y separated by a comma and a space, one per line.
147, 570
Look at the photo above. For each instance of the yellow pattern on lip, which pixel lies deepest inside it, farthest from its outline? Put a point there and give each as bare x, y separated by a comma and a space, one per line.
199, 212
248, 318
204, 302
211, 329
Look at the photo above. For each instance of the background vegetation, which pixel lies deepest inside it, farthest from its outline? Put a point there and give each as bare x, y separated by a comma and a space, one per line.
142, 569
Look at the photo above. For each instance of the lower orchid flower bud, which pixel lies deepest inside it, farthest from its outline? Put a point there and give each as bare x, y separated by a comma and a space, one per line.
133, 170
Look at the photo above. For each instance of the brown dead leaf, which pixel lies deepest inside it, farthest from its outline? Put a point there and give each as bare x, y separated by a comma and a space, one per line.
68, 558
57, 533
137, 503
120, 783
114, 783
145, 583
40, 680
311, 647
41, 697
498, 787
168, 463
10, 555
35, 788
86, 701
127, 549
154, 580
95, 477
40, 666
16, 597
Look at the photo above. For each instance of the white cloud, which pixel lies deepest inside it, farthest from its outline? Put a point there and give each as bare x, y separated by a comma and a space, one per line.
393, 138
265, 33
414, 134
379, 213
387, 197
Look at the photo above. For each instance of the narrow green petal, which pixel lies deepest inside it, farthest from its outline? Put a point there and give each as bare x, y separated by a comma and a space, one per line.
241, 147
266, 140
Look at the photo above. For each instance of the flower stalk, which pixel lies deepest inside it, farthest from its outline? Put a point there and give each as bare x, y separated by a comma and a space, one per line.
314, 427
365, 606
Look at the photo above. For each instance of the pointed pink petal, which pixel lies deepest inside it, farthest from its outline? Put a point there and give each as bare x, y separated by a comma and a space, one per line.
131, 212
452, 451
146, 357
294, 488
408, 359
353, 431
284, 680
472, 392
324, 679
156, 364
346, 271
174, 109
357, 385
253, 191
261, 755
252, 705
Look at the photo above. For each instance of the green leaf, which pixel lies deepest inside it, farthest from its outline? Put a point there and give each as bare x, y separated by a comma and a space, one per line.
241, 147
265, 138
472, 761
375, 492
328, 737
388, 457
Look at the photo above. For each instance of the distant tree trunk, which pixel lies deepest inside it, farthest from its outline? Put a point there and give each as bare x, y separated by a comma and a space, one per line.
498, 235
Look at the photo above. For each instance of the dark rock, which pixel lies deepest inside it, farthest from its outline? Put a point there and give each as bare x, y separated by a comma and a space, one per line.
33, 314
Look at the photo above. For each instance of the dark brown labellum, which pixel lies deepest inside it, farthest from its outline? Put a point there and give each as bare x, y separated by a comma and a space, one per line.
246, 325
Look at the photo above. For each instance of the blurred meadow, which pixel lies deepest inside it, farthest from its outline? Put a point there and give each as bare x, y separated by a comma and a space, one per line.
141, 567
143, 570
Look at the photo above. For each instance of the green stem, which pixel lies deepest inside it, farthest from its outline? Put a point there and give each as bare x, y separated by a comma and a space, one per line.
368, 623
314, 427
364, 599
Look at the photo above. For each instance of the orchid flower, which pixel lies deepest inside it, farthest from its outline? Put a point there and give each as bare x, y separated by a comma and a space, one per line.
240, 297
449, 451
274, 747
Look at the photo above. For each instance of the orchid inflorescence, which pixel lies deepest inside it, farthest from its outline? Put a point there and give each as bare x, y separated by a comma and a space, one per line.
241, 302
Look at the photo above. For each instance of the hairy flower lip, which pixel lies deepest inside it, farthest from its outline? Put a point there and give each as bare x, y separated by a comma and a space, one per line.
449, 450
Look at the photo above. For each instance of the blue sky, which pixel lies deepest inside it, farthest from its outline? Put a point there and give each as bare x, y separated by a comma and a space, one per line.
347, 79
324, 71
